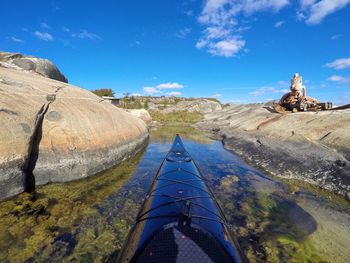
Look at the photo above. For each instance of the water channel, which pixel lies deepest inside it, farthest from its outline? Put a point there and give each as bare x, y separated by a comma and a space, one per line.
88, 220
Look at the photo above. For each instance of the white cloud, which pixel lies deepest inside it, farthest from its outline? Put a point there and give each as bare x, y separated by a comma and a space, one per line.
183, 32
335, 37
160, 89
279, 24
169, 85
15, 39
283, 91
283, 83
151, 90
222, 35
262, 5
45, 25
266, 90
201, 43
43, 36
217, 95
226, 48
188, 12
340, 63
174, 93
84, 34
215, 32
314, 11
337, 78
306, 3
135, 44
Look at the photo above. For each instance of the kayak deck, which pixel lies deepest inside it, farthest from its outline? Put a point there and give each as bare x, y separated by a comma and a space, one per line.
183, 244
180, 221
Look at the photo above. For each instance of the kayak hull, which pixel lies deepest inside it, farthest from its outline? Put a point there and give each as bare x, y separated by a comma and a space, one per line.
180, 220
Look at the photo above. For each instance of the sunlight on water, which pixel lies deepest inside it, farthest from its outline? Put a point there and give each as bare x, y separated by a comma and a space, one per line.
88, 220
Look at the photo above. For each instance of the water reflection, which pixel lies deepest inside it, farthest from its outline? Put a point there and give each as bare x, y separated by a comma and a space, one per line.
89, 220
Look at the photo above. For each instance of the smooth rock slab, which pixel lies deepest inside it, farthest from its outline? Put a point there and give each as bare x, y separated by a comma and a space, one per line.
310, 146
143, 114
58, 132
43, 67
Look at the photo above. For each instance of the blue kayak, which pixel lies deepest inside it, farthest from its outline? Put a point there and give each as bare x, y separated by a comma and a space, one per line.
180, 220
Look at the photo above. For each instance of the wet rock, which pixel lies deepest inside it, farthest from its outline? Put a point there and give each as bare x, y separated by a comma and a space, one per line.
62, 246
311, 146
348, 196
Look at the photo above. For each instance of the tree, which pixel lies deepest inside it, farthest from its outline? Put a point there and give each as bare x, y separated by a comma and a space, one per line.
103, 92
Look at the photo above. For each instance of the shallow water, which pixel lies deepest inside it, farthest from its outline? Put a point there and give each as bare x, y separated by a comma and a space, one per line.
88, 220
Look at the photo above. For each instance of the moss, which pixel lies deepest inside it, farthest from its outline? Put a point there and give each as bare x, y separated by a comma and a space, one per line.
266, 202
263, 224
30, 223
295, 186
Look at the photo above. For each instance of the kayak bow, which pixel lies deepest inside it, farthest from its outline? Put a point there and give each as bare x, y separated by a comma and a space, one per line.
180, 221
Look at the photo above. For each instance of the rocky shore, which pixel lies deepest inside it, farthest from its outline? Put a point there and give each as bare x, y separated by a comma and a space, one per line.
24, 63
310, 146
55, 132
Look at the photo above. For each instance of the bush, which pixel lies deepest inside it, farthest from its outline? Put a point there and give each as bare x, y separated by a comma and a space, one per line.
103, 92
215, 100
131, 103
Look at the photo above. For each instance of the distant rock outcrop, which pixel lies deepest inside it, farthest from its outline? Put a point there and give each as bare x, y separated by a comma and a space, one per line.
203, 106
55, 132
142, 114
168, 104
43, 67
311, 146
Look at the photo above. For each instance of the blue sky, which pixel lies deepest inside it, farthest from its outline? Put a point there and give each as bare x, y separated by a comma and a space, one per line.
235, 50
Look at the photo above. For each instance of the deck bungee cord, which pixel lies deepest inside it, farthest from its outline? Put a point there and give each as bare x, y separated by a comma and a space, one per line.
180, 219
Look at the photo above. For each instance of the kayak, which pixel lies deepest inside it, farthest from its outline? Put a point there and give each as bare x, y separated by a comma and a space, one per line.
180, 220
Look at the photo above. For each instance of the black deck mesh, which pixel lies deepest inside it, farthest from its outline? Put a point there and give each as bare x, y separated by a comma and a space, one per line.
183, 244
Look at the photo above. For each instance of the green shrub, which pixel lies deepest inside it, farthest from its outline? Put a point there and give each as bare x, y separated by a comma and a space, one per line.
131, 103
103, 92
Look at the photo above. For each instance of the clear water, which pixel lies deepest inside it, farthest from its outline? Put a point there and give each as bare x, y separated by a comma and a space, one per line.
88, 220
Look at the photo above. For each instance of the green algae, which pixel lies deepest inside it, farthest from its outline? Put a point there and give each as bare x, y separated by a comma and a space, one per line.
263, 223
295, 186
30, 223
264, 217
